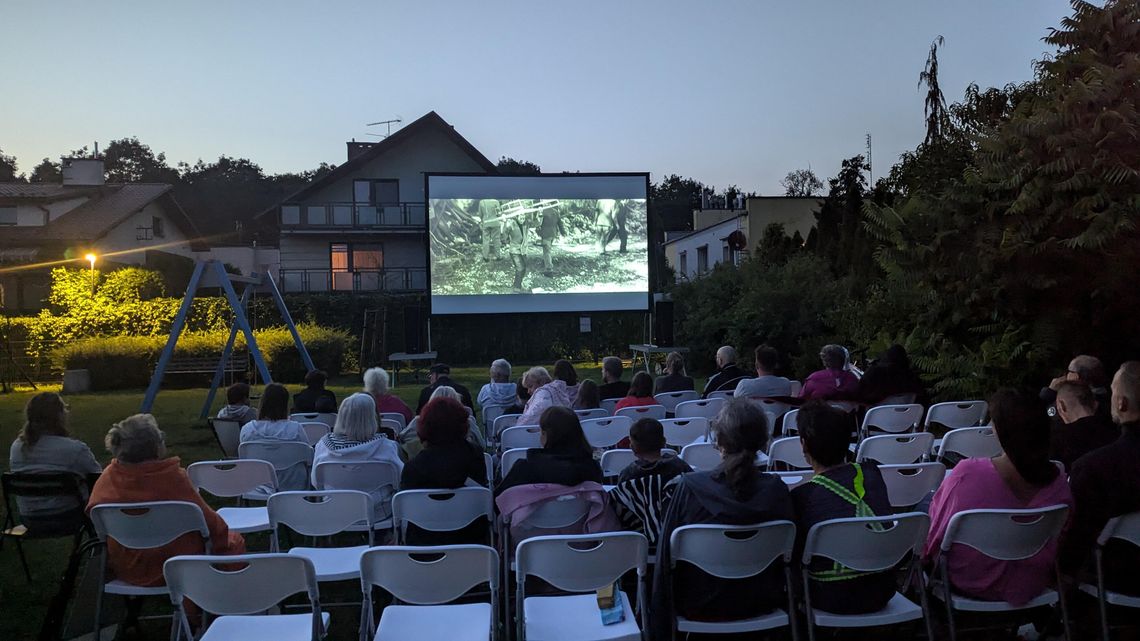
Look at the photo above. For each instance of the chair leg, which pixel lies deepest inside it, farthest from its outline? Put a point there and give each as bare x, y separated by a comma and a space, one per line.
807, 607
1102, 603
23, 560
57, 609
99, 595
1064, 606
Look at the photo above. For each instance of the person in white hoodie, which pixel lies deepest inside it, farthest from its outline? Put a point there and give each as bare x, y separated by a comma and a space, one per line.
355, 438
273, 424
501, 391
544, 392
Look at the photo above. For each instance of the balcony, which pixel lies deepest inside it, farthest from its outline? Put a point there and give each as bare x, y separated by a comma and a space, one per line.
408, 217
392, 279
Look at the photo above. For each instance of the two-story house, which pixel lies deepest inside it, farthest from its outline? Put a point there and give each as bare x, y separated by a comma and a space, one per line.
363, 226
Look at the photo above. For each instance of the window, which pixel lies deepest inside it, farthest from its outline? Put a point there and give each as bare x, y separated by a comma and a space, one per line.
726, 255
338, 257
702, 259
684, 261
156, 225
376, 192
7, 216
345, 257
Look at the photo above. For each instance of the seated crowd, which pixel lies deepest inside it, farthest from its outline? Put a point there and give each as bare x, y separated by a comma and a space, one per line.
1083, 458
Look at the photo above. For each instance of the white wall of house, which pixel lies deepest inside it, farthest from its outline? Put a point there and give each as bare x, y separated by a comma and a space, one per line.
684, 255
248, 259
124, 237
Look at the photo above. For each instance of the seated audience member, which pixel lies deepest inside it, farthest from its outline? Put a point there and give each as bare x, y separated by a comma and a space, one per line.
647, 439
237, 405
315, 398
376, 385
354, 439
838, 490
1081, 429
834, 381
637, 497
640, 392
45, 446
728, 374
565, 457
273, 424
410, 436
544, 392
1106, 484
500, 392
891, 375
588, 396
1083, 369
438, 376
1022, 477
735, 493
612, 386
564, 371
674, 379
766, 384
140, 472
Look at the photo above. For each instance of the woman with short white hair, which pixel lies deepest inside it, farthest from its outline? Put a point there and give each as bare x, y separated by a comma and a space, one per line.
354, 439
544, 392
376, 384
410, 440
501, 392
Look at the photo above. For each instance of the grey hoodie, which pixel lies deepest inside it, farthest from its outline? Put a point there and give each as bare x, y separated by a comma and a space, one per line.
498, 395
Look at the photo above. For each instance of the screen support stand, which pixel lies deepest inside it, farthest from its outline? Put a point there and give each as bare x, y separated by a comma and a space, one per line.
429, 333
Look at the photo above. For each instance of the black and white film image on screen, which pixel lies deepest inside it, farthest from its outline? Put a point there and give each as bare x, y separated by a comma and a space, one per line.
538, 246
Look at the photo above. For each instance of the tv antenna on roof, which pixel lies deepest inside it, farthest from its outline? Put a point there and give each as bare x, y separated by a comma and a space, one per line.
384, 122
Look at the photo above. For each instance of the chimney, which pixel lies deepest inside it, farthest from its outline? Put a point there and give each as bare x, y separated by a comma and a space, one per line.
357, 148
83, 171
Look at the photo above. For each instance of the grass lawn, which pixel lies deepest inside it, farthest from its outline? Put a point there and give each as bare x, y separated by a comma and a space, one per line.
22, 606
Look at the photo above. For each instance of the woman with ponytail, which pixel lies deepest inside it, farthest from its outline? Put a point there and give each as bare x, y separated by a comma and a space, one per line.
734, 493
1021, 477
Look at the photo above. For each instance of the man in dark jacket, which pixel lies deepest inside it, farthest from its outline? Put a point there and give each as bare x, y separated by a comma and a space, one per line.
438, 376
728, 374
1081, 428
612, 386
315, 398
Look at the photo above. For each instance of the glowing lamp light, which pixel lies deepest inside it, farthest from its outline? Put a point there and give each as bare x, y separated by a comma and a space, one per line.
91, 259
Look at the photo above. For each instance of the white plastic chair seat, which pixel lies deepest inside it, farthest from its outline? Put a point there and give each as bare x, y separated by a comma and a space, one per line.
129, 589
463, 622
334, 564
966, 604
899, 610
576, 617
775, 619
275, 627
1113, 598
245, 519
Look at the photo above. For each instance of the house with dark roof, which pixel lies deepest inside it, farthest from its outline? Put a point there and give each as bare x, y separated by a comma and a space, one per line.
47, 225
363, 226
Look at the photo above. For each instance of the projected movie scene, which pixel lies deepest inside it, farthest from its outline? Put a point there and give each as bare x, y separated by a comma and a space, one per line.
538, 243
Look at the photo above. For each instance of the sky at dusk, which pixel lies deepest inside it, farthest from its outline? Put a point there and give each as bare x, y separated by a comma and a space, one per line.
727, 92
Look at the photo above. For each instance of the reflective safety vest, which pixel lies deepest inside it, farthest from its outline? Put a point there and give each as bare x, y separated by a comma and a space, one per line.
839, 572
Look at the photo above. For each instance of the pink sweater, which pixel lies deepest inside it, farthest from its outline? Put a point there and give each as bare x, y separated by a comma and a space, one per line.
975, 484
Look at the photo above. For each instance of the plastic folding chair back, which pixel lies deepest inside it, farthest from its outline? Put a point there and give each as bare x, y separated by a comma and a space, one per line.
791, 423
328, 418
907, 485
704, 408
733, 551
956, 414
228, 435
772, 409
702, 457
282, 454
510, 457
365, 476
642, 411
441, 510
788, 451
596, 412
394, 416
892, 449
606, 432
680, 432
391, 424
669, 400
143, 526
892, 419
314, 431
230, 478
723, 394
1006, 535
970, 442
797, 387
1124, 528
795, 478
238, 596
319, 513
503, 422
520, 436
557, 513
69, 522
867, 544
609, 404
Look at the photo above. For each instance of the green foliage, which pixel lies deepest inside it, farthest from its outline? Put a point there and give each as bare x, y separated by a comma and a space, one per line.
800, 183
47, 171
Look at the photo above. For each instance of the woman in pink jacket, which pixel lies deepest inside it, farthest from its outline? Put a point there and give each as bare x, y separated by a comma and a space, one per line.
544, 392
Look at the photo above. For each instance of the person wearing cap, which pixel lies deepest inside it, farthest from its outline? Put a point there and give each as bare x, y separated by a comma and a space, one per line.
438, 376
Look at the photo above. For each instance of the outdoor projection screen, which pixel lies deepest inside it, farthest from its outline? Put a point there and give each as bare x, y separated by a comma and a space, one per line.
546, 243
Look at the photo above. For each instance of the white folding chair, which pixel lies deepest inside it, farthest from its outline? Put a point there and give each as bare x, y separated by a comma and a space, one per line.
723, 394
616, 460
1005, 535
394, 416
1125, 528
787, 451
239, 597
797, 387
440, 510
669, 400
315, 431
892, 419
141, 526
228, 435
702, 408
328, 418
606, 432
868, 544
490, 413
489, 461
380, 480
791, 423
236, 478
581, 564
795, 478
523, 436
702, 457
891, 449
503, 422
736, 552
596, 412
956, 414
510, 457
772, 409
844, 406
969, 442
323, 513
397, 427
426, 578
608, 404
642, 411
285, 456
680, 432
908, 484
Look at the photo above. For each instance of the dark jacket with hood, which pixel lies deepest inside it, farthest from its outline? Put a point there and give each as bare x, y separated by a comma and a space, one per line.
725, 379
705, 497
546, 466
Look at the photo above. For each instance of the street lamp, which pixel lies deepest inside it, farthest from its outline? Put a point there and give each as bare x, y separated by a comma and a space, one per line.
91, 259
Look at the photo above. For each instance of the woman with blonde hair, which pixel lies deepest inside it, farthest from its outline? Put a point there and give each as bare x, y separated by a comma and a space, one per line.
544, 391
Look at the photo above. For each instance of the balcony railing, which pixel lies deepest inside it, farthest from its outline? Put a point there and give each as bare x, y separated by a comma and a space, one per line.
340, 216
392, 279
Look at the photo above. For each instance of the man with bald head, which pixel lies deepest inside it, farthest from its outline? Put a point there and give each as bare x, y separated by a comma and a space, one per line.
1106, 484
1084, 369
1081, 428
728, 373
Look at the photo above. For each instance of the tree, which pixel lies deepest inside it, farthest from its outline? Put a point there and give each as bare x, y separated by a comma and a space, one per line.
513, 167
8, 169
801, 183
839, 222
46, 172
673, 200
128, 160
934, 108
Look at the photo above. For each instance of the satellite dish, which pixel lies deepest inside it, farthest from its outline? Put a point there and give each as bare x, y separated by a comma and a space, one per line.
737, 241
